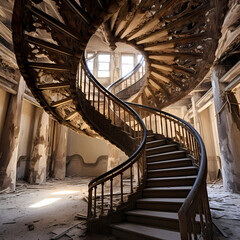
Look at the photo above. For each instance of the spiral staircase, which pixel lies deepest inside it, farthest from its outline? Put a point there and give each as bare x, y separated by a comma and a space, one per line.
165, 195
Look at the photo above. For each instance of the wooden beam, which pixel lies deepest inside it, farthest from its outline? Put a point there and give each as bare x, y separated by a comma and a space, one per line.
49, 46
49, 86
177, 21
78, 11
54, 23
48, 66
71, 116
61, 102
165, 76
166, 67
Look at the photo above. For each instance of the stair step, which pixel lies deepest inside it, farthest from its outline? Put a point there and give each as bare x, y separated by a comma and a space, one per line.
160, 204
155, 143
171, 172
161, 149
171, 181
154, 137
154, 218
167, 156
141, 232
167, 192
182, 162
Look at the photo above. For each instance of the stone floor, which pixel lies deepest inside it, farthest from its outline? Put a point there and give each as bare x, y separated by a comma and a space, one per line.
46, 212
225, 210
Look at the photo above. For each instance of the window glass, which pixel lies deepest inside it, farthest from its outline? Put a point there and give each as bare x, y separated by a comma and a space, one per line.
127, 64
104, 65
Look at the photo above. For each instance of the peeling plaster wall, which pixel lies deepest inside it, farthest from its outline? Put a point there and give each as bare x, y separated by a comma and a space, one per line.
208, 139
26, 137
4, 97
26, 129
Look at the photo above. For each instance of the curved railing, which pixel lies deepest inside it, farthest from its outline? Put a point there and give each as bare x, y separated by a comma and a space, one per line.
129, 79
102, 195
195, 207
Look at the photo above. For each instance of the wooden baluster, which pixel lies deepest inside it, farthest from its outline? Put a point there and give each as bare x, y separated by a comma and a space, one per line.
186, 135
194, 228
93, 100
89, 89
170, 123
121, 182
85, 82
114, 113
175, 130
166, 126
119, 115
109, 108
104, 104
139, 133
124, 118
201, 220
111, 194
102, 208
90, 202
150, 119
161, 121
129, 124
80, 77
95, 201
138, 172
156, 128
131, 178
98, 99
134, 127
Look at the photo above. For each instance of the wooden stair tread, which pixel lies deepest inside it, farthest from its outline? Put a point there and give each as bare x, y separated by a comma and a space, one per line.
169, 161
171, 178
167, 153
161, 147
160, 141
169, 200
168, 188
156, 214
173, 169
152, 233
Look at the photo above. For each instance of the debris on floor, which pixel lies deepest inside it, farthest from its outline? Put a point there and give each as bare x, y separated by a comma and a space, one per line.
225, 211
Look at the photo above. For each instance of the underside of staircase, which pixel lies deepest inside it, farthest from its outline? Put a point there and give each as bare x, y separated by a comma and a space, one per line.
166, 170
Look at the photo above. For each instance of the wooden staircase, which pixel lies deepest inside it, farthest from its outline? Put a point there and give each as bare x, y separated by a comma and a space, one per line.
166, 194
170, 177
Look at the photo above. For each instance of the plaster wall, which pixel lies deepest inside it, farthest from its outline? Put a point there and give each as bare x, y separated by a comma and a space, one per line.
26, 129
4, 97
86, 156
207, 134
89, 148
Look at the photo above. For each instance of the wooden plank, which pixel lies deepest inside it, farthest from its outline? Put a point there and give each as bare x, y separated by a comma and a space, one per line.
48, 66
78, 10
61, 102
53, 22
53, 85
49, 46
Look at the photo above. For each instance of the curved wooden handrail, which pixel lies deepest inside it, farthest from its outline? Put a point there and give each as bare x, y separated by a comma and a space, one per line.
129, 79
196, 202
123, 117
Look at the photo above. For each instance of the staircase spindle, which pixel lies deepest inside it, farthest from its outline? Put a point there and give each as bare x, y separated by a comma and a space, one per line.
102, 208
111, 194
121, 182
131, 178
95, 201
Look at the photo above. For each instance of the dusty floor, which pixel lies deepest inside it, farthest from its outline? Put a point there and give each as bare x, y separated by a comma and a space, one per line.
225, 211
44, 212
